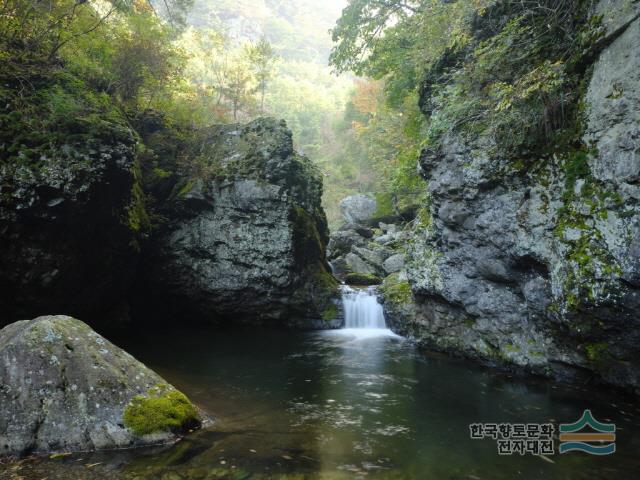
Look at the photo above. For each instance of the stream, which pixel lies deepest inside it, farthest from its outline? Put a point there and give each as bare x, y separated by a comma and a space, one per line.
354, 403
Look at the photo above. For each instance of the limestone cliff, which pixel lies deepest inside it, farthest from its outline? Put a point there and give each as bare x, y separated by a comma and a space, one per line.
528, 253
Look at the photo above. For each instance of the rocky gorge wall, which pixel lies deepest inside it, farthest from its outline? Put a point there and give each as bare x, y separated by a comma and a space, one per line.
534, 261
69, 200
105, 215
246, 244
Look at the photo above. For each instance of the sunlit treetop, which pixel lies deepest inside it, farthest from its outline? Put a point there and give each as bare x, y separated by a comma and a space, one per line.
397, 39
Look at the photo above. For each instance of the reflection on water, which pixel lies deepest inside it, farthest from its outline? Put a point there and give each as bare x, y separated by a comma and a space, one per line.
344, 405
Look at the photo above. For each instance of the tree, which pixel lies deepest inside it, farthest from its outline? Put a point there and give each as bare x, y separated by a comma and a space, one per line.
261, 58
238, 87
361, 26
144, 61
398, 39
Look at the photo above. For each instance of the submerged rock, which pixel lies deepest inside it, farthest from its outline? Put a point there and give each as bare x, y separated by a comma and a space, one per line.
63, 387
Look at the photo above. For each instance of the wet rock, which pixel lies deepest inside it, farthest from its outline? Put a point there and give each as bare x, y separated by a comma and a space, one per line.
63, 387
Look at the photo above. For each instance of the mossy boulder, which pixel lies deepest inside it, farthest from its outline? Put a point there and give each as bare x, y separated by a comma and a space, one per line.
362, 279
63, 387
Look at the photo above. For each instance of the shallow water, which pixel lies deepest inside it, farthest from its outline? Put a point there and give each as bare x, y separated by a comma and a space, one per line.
347, 404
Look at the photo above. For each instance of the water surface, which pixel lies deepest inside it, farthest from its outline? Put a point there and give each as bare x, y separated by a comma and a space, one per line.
347, 404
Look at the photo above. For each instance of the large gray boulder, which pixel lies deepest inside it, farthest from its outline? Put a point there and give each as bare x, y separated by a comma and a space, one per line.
247, 244
63, 387
358, 208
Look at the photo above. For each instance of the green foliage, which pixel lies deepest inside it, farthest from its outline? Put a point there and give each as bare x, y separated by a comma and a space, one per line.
56, 109
261, 58
576, 167
395, 39
384, 205
383, 144
524, 103
162, 409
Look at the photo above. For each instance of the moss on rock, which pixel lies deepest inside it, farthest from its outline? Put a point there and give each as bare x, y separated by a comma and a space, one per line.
163, 409
384, 205
597, 352
396, 290
307, 239
362, 279
330, 313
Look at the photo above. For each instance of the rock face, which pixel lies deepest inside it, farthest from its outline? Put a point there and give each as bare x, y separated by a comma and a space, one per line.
360, 255
538, 269
246, 245
63, 387
66, 242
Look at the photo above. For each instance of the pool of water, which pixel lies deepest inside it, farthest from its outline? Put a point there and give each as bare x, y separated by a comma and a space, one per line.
347, 404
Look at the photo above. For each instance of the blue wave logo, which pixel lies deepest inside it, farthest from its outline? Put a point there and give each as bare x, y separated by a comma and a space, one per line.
572, 439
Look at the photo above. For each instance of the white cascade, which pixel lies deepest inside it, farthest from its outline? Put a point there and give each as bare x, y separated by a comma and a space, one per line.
361, 309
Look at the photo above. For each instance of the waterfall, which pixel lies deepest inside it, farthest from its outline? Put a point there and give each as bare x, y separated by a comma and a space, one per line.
361, 308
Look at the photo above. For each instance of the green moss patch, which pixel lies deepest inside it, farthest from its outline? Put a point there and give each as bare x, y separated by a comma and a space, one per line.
163, 409
330, 313
384, 205
396, 290
597, 352
362, 279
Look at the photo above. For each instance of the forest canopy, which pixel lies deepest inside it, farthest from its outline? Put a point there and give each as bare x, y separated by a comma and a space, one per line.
205, 62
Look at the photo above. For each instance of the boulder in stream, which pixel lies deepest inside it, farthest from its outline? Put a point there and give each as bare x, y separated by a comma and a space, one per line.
63, 387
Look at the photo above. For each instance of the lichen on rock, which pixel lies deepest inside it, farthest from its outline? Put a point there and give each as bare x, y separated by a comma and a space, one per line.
529, 257
63, 387
245, 241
